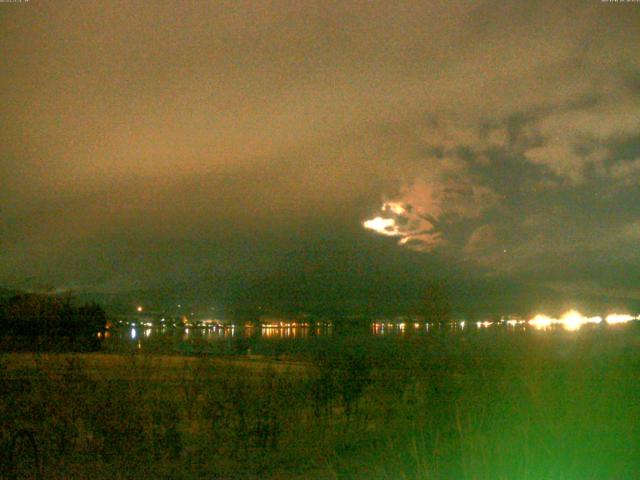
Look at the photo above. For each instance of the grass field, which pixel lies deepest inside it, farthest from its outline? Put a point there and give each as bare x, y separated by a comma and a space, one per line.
553, 405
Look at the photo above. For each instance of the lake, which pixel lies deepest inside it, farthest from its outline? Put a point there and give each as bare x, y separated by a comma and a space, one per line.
291, 337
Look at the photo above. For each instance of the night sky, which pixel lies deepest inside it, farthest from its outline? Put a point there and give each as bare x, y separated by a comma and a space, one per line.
234, 150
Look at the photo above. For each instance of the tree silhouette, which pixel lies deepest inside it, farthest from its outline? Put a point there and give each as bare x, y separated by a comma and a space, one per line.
45, 322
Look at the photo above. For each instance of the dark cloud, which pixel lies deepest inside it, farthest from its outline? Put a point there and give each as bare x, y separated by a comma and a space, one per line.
157, 144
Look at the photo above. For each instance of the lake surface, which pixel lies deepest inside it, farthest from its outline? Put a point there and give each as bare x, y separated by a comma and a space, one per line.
247, 339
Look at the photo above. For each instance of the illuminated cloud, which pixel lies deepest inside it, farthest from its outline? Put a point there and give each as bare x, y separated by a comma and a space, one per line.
443, 194
413, 227
383, 226
483, 238
145, 145
570, 141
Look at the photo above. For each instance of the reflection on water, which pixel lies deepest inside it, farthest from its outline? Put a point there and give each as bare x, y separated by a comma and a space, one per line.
213, 333
140, 334
284, 332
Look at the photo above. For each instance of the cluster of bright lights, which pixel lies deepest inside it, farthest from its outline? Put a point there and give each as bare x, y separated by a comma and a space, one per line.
573, 320
512, 322
285, 325
541, 322
616, 318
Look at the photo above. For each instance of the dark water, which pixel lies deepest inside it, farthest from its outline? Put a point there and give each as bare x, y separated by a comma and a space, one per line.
248, 339
227, 339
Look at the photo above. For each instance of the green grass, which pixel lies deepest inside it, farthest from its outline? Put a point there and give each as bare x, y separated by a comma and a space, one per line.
493, 406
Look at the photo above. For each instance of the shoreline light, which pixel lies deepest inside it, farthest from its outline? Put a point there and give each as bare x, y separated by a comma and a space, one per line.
616, 318
541, 322
573, 320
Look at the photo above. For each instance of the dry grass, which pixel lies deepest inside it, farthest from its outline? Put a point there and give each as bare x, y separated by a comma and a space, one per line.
487, 407
147, 366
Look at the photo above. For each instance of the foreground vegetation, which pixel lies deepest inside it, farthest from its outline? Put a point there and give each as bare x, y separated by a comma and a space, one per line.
486, 405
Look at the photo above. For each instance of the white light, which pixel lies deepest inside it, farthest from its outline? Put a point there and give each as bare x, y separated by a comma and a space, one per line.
616, 318
384, 226
541, 322
572, 320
